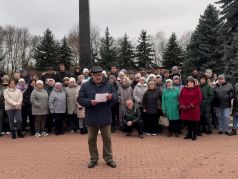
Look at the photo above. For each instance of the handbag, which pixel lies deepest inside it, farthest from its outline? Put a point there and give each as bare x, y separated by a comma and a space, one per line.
163, 120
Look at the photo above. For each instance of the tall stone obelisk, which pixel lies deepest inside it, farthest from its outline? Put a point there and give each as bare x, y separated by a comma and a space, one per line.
84, 34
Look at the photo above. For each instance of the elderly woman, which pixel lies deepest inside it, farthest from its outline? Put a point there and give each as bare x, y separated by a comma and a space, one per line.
151, 103
170, 107
65, 83
115, 105
235, 111
49, 86
138, 94
80, 109
189, 100
13, 101
40, 109
207, 97
21, 85
27, 105
1, 107
57, 106
177, 83
71, 91
124, 93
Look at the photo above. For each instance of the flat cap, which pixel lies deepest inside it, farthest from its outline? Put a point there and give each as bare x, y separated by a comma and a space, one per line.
96, 69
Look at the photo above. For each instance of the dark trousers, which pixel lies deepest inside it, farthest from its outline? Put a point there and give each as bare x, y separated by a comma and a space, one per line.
107, 145
115, 114
151, 123
205, 123
1, 119
5, 122
192, 127
214, 116
143, 114
40, 123
174, 126
26, 112
49, 124
14, 114
59, 117
73, 121
138, 125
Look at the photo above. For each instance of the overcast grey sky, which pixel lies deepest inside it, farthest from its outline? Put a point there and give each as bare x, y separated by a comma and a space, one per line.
120, 16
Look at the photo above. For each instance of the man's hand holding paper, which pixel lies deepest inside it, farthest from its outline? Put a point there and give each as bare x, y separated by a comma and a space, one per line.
102, 97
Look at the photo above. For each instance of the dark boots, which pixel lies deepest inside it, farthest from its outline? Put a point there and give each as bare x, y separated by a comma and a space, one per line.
233, 132
20, 133
14, 135
194, 135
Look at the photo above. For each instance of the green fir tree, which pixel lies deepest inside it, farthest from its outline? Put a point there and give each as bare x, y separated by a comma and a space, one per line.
108, 53
173, 54
126, 54
66, 55
204, 50
46, 52
144, 51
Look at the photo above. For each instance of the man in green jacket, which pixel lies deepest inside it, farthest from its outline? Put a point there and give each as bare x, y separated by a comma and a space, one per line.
207, 97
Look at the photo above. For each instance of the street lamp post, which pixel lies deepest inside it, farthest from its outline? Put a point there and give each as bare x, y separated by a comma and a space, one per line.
84, 34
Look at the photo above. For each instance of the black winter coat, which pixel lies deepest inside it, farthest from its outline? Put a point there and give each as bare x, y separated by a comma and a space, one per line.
235, 102
223, 94
152, 101
99, 115
61, 75
27, 96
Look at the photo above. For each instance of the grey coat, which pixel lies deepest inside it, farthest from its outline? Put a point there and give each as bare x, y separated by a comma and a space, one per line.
138, 94
71, 92
223, 94
39, 101
124, 94
57, 102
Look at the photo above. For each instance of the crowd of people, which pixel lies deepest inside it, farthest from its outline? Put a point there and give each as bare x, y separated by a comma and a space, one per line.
50, 102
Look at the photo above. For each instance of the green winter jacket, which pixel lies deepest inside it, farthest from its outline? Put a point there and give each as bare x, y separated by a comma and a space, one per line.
207, 97
170, 104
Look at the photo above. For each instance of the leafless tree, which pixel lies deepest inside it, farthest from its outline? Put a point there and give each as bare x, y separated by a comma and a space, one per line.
185, 39
74, 42
159, 42
73, 39
17, 48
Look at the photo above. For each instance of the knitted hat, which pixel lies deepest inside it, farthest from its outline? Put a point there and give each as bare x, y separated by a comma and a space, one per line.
71, 79
39, 82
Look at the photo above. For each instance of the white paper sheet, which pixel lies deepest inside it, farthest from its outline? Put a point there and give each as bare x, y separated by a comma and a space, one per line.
101, 97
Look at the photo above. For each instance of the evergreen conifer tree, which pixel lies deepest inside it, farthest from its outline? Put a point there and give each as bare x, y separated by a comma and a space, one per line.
144, 51
229, 16
204, 50
108, 53
66, 55
173, 54
126, 54
46, 52
231, 53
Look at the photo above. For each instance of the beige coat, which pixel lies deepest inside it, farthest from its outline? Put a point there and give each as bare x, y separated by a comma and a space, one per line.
80, 109
13, 99
71, 101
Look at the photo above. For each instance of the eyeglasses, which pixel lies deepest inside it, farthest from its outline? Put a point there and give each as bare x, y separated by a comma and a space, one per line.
97, 75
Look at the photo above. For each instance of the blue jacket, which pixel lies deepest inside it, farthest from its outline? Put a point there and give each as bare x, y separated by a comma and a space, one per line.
99, 115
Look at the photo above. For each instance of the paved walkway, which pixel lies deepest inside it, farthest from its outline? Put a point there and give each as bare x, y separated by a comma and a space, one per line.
153, 157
